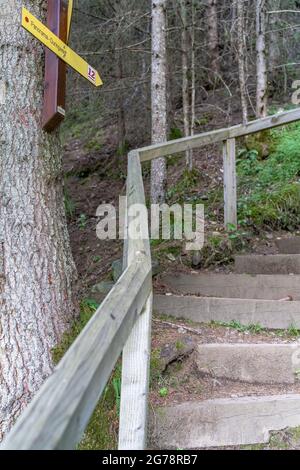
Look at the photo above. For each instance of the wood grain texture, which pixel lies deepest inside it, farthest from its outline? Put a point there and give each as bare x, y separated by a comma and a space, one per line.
136, 354
55, 69
59, 414
229, 166
220, 135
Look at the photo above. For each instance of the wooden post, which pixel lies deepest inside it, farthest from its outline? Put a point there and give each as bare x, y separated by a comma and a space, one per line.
55, 69
230, 202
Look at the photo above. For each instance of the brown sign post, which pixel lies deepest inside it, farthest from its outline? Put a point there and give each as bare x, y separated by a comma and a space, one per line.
55, 68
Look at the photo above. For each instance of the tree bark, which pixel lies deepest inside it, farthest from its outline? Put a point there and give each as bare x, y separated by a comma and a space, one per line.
242, 58
159, 100
213, 36
36, 267
185, 76
193, 82
261, 62
274, 51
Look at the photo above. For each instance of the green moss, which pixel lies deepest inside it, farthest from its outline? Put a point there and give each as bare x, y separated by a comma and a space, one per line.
101, 431
295, 433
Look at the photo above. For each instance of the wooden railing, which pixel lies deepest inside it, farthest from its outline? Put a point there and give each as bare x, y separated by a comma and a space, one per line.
58, 415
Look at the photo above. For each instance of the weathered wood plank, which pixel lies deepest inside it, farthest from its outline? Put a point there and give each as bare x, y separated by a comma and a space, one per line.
220, 135
136, 354
229, 166
59, 414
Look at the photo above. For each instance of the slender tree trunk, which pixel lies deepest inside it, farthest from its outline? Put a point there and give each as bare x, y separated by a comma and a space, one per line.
274, 50
213, 35
193, 80
159, 100
261, 62
185, 76
121, 112
36, 266
242, 58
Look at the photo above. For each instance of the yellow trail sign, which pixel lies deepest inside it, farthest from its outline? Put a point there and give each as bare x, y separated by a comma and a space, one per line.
56, 45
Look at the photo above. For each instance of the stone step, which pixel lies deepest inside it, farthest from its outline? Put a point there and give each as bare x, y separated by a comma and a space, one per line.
251, 363
267, 313
242, 286
267, 264
288, 245
223, 422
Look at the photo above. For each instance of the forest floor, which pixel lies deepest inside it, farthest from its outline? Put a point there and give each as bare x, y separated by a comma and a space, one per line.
95, 174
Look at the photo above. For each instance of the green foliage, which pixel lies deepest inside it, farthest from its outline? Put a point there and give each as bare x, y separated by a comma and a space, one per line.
163, 392
175, 133
83, 122
70, 206
123, 149
82, 221
116, 382
270, 189
220, 249
236, 325
87, 309
188, 181
93, 144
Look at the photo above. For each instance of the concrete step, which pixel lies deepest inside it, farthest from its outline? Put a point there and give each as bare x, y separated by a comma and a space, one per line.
242, 286
288, 245
223, 422
267, 313
251, 363
267, 264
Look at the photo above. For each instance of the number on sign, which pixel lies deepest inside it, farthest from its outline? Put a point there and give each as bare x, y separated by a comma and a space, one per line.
91, 73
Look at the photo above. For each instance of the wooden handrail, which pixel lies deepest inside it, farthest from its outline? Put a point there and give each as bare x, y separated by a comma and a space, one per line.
136, 354
220, 135
58, 415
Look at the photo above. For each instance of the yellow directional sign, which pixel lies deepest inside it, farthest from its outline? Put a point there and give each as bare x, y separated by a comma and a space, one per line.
56, 45
70, 13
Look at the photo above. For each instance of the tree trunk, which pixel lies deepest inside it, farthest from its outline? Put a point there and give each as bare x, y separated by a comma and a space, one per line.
159, 101
274, 50
241, 58
213, 36
193, 81
261, 63
185, 76
36, 267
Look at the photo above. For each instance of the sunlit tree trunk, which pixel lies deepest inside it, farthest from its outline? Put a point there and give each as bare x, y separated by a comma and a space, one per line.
241, 58
159, 97
261, 61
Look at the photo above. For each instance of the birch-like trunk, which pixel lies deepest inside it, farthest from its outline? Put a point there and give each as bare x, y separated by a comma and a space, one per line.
261, 61
193, 81
158, 98
185, 77
36, 266
242, 58
274, 51
213, 36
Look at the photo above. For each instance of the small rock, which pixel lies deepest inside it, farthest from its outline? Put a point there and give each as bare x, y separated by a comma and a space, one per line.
156, 268
171, 257
103, 287
173, 352
196, 260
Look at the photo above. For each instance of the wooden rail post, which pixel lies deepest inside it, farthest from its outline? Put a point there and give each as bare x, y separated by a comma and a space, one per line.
230, 202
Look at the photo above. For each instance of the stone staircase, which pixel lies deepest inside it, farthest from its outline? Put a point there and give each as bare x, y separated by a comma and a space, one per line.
264, 290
